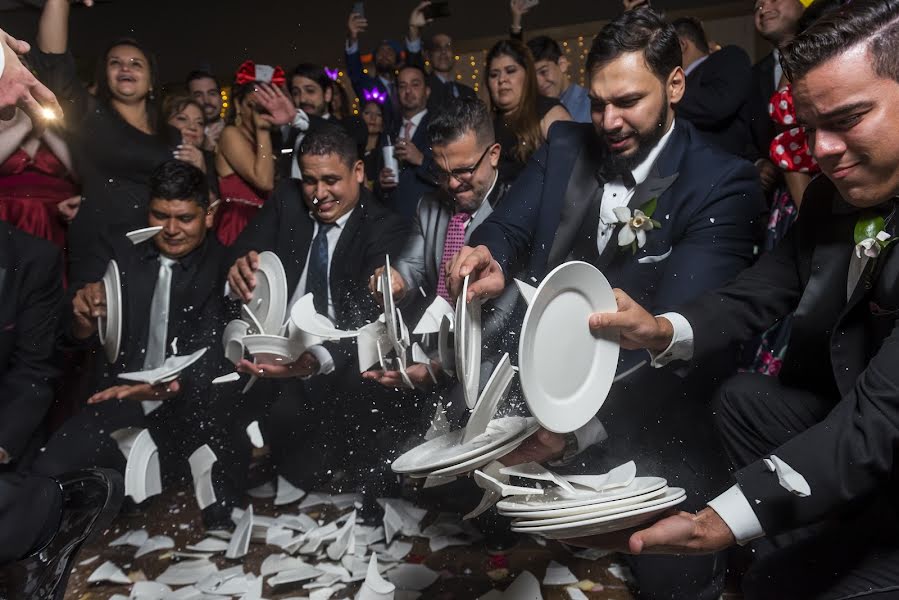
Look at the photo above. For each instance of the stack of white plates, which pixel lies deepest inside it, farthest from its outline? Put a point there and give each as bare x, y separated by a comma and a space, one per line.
448, 455
560, 514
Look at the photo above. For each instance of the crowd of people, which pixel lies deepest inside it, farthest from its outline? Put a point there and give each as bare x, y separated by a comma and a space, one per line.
678, 169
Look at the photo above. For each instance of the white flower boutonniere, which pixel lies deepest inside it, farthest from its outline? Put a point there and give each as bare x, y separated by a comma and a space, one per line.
870, 238
635, 226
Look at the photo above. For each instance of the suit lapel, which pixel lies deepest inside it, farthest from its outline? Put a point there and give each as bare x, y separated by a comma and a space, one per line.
654, 186
583, 187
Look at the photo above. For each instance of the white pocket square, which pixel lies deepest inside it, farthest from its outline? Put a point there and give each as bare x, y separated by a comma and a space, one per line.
648, 260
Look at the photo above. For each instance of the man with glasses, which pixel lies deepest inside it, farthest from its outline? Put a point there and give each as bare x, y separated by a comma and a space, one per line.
466, 156
438, 51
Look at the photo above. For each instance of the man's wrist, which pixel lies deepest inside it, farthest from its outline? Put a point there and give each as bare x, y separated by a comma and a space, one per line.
664, 336
714, 529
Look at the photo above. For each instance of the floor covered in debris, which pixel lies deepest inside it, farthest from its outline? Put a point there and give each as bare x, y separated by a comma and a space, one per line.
460, 570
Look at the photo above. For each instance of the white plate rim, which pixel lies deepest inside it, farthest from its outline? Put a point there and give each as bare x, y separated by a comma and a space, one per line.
478, 461
113, 338
587, 508
555, 418
653, 483
526, 423
273, 270
600, 510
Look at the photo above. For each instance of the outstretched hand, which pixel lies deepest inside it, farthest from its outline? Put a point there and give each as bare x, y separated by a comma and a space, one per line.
486, 278
637, 327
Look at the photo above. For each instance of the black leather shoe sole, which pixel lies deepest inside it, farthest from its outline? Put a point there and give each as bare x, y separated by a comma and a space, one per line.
91, 500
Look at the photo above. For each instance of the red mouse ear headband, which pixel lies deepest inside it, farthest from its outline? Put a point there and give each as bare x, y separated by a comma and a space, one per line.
250, 72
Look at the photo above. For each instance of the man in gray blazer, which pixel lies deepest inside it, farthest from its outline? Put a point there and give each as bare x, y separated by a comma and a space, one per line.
466, 156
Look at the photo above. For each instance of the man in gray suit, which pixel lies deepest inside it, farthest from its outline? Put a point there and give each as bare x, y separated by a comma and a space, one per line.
466, 156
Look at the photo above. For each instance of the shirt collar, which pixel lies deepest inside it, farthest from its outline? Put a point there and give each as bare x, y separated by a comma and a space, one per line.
641, 171
151, 252
486, 196
339, 223
416, 120
695, 64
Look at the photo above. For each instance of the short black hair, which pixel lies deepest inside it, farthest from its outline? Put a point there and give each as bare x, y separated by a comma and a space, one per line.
178, 180
639, 30
457, 117
327, 138
414, 67
201, 74
314, 72
690, 28
544, 47
874, 23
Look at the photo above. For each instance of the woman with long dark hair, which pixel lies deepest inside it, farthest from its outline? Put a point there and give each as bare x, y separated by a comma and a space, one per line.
186, 115
244, 158
522, 117
113, 136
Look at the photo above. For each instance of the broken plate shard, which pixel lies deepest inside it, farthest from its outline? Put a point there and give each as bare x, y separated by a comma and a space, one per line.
209, 545
557, 574
108, 572
201, 462
287, 493
412, 577
539, 472
188, 572
132, 538
375, 587
788, 478
240, 540
301, 573
620, 476
154, 544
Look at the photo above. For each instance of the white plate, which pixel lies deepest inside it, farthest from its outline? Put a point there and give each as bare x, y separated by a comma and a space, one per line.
485, 459
389, 305
468, 345
271, 349
557, 498
232, 340
601, 510
142, 235
448, 450
430, 321
110, 328
601, 525
567, 371
271, 289
169, 370
494, 392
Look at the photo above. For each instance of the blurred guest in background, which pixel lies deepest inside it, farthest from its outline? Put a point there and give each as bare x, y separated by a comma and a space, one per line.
186, 115
373, 115
554, 80
205, 89
522, 117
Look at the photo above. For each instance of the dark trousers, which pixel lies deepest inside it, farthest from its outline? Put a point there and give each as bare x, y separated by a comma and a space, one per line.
854, 556
340, 422
30, 509
177, 428
664, 423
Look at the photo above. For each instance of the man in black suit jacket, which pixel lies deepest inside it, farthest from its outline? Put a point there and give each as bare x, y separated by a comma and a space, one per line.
402, 191
718, 88
637, 155
777, 21
31, 300
321, 394
438, 51
815, 449
178, 414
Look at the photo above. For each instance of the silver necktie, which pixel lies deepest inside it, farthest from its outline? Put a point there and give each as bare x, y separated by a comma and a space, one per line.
159, 316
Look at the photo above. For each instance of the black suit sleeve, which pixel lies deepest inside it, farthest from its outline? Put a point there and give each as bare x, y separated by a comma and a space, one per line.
27, 383
719, 91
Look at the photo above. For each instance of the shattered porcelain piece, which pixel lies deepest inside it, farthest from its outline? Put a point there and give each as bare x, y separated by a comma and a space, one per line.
537, 472
287, 493
132, 538
188, 572
412, 577
240, 540
619, 477
557, 574
154, 544
255, 434
201, 462
108, 572
788, 478
212, 545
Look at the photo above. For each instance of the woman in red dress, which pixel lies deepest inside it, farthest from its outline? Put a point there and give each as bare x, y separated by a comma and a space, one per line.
244, 158
38, 191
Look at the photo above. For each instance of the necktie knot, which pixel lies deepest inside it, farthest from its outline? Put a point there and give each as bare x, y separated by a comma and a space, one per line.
167, 262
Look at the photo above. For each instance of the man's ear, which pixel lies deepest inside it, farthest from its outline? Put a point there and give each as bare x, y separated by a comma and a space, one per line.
564, 64
359, 171
677, 84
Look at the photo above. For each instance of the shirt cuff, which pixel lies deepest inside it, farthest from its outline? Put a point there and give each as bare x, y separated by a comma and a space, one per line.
681, 346
324, 358
735, 510
413, 47
352, 47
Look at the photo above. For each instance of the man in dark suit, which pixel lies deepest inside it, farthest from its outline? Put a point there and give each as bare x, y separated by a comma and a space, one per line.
718, 88
383, 81
171, 305
402, 191
814, 449
331, 234
776, 21
567, 205
438, 51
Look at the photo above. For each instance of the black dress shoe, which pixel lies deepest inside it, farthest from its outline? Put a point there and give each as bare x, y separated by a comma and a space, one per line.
90, 501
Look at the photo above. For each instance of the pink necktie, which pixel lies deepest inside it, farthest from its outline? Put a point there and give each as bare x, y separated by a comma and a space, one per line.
455, 239
407, 132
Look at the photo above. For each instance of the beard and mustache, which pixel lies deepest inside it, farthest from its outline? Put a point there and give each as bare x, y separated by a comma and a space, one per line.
619, 164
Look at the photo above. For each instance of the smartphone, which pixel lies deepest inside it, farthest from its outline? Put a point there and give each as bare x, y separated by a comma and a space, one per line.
530, 4
437, 10
359, 8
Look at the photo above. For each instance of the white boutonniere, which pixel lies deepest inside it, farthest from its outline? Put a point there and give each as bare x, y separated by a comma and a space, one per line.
870, 238
635, 226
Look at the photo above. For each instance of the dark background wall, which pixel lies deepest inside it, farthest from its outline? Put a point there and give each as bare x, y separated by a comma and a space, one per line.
186, 33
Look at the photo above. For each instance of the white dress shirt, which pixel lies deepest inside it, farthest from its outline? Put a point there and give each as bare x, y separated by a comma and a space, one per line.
732, 506
416, 121
615, 193
325, 360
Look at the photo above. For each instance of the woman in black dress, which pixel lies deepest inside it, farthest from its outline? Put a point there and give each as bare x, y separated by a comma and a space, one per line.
522, 117
114, 136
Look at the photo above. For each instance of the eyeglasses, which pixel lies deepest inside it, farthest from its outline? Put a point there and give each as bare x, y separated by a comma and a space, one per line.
461, 174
